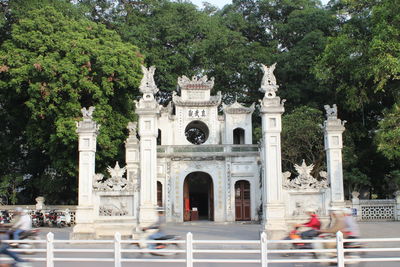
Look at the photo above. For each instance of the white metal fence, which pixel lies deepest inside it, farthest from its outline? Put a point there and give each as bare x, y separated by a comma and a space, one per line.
261, 252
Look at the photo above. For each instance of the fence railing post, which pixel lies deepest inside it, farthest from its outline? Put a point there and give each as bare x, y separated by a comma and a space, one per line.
264, 250
340, 249
117, 249
49, 250
189, 249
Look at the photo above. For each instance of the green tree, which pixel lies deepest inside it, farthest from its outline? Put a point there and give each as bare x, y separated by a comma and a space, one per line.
388, 136
51, 67
354, 174
360, 63
294, 33
180, 40
302, 138
13, 10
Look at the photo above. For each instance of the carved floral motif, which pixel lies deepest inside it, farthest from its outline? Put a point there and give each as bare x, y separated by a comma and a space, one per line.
304, 180
113, 210
115, 183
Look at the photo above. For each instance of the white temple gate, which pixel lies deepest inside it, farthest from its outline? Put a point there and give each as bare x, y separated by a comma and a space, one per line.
197, 163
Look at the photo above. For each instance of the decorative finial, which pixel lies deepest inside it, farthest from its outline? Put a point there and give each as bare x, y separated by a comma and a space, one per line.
331, 112
147, 84
87, 113
132, 128
304, 180
268, 82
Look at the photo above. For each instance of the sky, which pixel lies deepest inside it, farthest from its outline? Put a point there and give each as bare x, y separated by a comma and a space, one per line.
221, 3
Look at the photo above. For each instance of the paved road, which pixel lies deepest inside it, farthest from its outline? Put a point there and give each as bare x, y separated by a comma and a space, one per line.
212, 231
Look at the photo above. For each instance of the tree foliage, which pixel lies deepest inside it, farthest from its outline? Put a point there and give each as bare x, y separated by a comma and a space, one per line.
52, 66
361, 63
57, 56
302, 138
388, 137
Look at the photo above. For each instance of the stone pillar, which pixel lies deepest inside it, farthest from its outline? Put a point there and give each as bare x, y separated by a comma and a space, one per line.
271, 109
397, 210
148, 110
333, 130
87, 130
230, 191
132, 164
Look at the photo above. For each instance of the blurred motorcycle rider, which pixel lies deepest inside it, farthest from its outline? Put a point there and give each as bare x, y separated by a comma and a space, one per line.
160, 229
352, 230
313, 223
24, 223
4, 249
337, 221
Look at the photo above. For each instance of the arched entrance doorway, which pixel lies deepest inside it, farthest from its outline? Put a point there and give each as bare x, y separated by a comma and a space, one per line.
198, 197
242, 201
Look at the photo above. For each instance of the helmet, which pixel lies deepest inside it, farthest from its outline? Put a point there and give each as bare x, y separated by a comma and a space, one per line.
309, 210
347, 211
336, 210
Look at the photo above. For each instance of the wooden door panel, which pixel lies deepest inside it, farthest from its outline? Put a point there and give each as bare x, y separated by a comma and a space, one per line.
242, 201
238, 212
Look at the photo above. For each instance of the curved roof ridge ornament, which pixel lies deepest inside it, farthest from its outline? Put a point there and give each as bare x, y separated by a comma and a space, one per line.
196, 82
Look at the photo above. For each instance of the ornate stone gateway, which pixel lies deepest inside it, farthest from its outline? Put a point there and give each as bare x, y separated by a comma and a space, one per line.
195, 159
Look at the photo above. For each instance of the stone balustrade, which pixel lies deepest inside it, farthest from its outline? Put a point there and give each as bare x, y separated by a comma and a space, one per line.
32, 208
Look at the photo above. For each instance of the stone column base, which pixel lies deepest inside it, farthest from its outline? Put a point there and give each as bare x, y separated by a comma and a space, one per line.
274, 221
83, 231
148, 215
84, 223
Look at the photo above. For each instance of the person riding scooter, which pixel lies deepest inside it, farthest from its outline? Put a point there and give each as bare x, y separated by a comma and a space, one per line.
313, 223
337, 221
159, 226
24, 223
5, 249
352, 230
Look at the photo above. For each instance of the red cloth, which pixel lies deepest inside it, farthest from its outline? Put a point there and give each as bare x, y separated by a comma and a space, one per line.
314, 222
187, 204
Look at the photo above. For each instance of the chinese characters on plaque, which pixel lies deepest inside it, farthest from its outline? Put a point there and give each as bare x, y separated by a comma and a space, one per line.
196, 113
